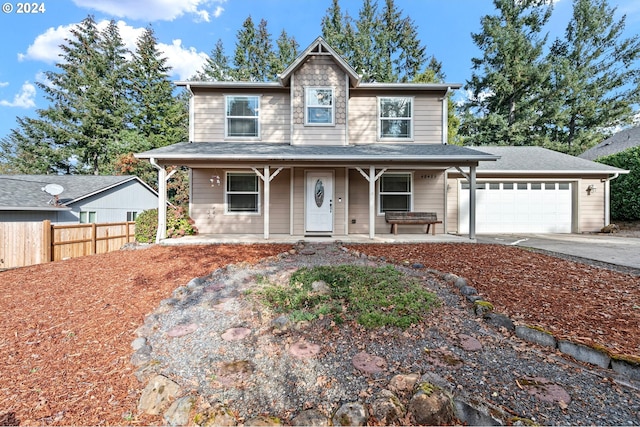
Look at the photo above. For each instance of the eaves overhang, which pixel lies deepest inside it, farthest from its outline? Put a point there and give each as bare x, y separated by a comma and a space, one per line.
35, 208
212, 151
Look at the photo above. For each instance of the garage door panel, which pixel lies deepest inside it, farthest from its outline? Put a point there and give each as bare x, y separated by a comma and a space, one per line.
534, 207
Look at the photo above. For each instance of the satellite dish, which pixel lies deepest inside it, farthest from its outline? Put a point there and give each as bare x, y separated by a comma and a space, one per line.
53, 189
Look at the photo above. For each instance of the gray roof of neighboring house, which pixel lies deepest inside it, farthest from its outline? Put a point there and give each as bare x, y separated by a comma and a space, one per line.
230, 151
537, 159
26, 192
621, 141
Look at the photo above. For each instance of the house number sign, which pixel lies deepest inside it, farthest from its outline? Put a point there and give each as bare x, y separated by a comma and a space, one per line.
319, 193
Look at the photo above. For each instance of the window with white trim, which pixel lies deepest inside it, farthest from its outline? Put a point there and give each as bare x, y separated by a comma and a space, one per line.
395, 192
395, 118
242, 193
319, 106
242, 116
132, 215
88, 217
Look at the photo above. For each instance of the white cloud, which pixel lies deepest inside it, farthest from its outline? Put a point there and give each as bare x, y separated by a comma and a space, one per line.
482, 96
151, 10
46, 47
183, 61
23, 99
4, 84
218, 11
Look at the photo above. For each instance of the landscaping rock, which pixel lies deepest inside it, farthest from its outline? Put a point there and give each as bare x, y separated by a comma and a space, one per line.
417, 265
263, 420
627, 368
584, 353
468, 290
321, 287
304, 350
369, 363
499, 321
469, 343
387, 408
182, 330
431, 406
280, 324
178, 412
473, 416
460, 282
157, 395
310, 417
138, 343
236, 334
218, 415
350, 414
403, 383
545, 390
536, 336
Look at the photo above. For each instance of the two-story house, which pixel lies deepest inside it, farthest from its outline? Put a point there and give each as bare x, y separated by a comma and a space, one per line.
321, 153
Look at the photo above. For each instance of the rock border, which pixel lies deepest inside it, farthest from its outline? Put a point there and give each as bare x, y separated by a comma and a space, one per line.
628, 367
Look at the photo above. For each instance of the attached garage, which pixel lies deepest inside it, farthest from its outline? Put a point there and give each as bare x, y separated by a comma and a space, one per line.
531, 190
518, 207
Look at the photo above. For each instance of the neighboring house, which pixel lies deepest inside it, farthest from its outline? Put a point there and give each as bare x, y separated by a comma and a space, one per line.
321, 153
617, 143
81, 199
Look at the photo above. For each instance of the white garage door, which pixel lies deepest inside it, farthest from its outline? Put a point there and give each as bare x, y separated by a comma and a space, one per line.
518, 207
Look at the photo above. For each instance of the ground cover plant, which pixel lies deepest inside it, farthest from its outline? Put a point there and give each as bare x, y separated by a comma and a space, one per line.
373, 297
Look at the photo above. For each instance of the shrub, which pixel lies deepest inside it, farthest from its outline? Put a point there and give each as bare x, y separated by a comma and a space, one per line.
178, 224
625, 190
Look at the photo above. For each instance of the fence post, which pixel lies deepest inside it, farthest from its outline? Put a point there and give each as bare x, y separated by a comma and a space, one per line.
94, 238
46, 253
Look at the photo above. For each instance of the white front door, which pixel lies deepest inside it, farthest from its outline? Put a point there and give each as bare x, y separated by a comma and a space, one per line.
319, 204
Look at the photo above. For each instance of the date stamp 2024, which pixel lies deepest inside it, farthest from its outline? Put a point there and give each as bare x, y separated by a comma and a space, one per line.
31, 8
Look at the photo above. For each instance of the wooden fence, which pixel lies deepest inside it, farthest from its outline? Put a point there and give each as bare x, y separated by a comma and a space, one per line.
28, 243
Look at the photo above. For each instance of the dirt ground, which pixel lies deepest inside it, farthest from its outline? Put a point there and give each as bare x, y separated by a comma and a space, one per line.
66, 327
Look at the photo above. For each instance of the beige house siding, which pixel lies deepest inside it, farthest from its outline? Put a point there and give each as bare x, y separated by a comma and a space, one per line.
428, 186
208, 206
363, 117
209, 115
591, 206
319, 71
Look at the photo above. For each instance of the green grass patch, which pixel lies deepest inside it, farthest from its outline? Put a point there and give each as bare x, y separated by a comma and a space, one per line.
373, 296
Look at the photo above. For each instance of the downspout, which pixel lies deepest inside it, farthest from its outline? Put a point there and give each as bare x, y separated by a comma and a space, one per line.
192, 132
445, 117
607, 198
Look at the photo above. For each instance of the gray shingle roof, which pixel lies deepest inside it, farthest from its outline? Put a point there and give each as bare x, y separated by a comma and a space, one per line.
26, 191
538, 159
185, 151
621, 141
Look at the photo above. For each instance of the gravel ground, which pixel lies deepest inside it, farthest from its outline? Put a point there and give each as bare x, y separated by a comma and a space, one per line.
258, 375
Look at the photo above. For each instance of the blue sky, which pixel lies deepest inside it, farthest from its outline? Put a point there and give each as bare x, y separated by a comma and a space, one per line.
188, 30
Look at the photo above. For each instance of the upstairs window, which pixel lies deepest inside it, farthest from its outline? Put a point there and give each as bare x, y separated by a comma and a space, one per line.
319, 106
243, 192
395, 192
243, 116
395, 118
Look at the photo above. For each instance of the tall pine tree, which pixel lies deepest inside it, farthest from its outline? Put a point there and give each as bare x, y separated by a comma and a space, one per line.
506, 81
594, 80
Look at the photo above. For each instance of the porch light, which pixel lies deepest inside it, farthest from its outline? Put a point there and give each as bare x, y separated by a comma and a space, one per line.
591, 189
215, 180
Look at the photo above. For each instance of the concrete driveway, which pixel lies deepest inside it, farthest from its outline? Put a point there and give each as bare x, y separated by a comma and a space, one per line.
624, 251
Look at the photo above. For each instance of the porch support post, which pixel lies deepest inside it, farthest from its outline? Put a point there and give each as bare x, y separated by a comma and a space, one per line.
162, 200
372, 201
472, 202
267, 197
372, 178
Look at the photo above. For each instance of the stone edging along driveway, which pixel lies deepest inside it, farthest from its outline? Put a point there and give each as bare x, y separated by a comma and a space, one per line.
626, 366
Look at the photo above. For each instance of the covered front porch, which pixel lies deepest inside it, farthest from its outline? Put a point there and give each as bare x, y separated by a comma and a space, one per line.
240, 190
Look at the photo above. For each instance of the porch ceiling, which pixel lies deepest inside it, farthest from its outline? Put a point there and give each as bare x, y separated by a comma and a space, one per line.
186, 152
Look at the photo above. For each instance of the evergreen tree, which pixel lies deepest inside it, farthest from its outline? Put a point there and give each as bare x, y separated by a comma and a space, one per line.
286, 53
506, 81
254, 53
595, 78
216, 68
381, 46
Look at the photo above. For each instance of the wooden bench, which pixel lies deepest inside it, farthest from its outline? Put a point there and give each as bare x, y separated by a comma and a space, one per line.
395, 218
